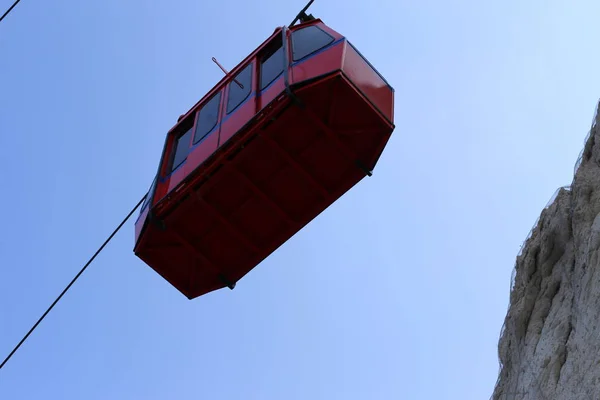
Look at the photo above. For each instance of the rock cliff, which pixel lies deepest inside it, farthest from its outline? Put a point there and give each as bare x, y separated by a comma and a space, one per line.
549, 347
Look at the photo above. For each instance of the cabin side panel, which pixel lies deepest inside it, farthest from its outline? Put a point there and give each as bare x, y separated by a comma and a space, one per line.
206, 132
194, 139
269, 74
270, 93
172, 169
314, 52
369, 81
239, 107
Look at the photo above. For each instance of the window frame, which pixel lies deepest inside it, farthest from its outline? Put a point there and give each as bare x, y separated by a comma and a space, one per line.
248, 87
185, 127
269, 52
149, 196
293, 45
197, 140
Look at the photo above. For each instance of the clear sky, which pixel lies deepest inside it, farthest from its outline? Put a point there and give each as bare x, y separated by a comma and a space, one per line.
399, 290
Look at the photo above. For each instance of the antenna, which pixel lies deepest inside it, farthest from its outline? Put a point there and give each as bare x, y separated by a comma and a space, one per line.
226, 73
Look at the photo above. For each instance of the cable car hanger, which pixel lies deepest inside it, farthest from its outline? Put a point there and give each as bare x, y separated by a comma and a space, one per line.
301, 16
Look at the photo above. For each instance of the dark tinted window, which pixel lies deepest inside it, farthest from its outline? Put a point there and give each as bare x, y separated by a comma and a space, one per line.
207, 117
307, 40
271, 65
148, 196
182, 144
237, 93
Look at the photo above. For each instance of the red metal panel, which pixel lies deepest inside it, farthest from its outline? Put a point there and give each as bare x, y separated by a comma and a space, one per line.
270, 93
324, 62
237, 120
176, 177
369, 82
169, 181
202, 151
234, 121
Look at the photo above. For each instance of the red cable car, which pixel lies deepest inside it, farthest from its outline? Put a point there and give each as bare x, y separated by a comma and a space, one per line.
288, 131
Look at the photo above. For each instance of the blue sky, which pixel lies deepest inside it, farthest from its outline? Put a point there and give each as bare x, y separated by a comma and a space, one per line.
399, 290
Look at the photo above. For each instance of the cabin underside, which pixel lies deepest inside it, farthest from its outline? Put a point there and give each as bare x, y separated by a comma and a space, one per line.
265, 184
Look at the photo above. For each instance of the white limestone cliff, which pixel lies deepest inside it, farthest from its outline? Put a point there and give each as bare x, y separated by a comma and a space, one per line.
550, 342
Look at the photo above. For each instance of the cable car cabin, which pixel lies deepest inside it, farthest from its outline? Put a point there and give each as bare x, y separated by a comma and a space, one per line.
281, 137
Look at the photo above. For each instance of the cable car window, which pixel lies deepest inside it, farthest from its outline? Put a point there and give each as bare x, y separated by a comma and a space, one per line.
207, 118
308, 40
237, 93
148, 196
182, 147
272, 63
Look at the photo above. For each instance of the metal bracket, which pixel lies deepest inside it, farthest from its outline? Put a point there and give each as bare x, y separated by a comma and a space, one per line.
302, 16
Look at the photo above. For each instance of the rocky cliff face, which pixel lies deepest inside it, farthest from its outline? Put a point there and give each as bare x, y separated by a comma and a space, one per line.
550, 343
